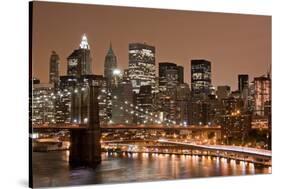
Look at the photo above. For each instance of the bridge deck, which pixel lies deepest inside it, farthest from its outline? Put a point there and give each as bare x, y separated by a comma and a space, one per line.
124, 127
235, 149
239, 149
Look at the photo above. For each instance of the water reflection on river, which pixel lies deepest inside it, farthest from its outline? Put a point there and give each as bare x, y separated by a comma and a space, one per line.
51, 169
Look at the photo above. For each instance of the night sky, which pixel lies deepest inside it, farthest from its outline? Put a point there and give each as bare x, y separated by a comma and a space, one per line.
233, 43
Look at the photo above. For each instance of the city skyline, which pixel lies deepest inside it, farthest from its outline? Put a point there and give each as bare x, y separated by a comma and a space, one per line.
96, 125
256, 30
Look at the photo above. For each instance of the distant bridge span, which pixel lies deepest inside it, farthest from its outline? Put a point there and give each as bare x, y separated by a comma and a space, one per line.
223, 148
226, 148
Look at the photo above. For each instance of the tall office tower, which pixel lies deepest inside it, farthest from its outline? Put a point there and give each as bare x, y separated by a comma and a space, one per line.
43, 109
262, 94
180, 74
223, 92
243, 82
110, 64
243, 88
63, 99
79, 61
200, 77
168, 75
54, 69
182, 98
141, 65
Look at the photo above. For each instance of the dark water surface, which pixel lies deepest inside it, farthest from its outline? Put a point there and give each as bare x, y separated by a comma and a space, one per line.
51, 168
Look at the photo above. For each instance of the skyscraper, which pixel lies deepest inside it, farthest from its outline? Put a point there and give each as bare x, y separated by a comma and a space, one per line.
141, 65
43, 109
79, 61
168, 74
200, 77
54, 69
262, 94
182, 98
180, 74
243, 82
110, 64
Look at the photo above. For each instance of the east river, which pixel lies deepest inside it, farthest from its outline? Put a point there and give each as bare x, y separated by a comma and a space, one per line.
51, 168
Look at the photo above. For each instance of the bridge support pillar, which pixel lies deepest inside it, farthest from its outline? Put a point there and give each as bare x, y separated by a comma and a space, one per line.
85, 149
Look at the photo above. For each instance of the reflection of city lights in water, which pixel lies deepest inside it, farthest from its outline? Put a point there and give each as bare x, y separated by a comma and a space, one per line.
233, 166
269, 170
217, 162
224, 166
67, 155
134, 155
182, 157
127, 167
243, 167
251, 168
145, 155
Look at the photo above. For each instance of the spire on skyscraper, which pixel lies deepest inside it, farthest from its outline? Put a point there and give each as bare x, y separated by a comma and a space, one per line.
110, 50
84, 42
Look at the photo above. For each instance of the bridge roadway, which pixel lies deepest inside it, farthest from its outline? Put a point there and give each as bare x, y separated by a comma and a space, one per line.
125, 127
235, 149
224, 148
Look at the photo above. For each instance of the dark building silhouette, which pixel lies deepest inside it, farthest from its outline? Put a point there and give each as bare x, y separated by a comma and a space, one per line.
170, 75
243, 82
122, 98
54, 69
223, 91
144, 100
182, 98
35, 81
180, 74
200, 77
79, 61
142, 65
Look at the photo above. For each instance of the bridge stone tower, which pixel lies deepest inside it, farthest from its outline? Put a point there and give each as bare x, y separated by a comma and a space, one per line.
85, 149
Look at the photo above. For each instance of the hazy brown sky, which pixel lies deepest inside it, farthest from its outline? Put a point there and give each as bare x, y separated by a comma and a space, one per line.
233, 43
